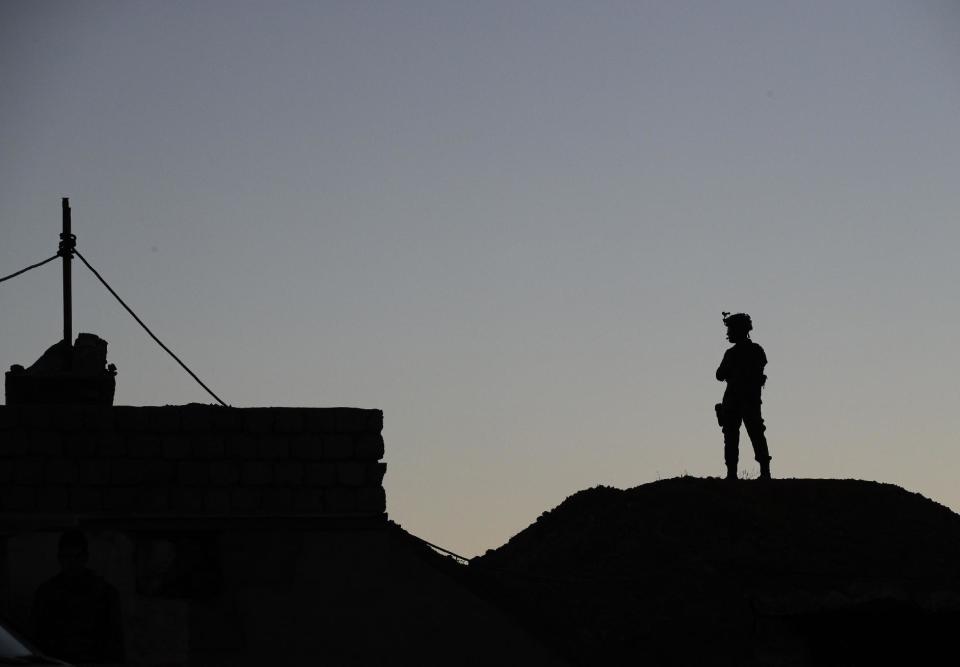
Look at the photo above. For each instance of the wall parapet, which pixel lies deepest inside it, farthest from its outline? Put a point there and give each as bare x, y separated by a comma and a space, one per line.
190, 461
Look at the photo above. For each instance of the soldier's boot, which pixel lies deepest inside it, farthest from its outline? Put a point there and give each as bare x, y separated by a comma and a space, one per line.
731, 450
765, 469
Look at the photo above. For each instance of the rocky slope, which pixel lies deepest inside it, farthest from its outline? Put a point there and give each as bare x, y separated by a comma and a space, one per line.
694, 571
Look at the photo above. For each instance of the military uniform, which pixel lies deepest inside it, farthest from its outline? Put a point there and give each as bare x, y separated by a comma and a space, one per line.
742, 370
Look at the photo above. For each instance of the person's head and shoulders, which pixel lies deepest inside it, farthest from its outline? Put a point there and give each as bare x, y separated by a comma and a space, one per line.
739, 326
75, 589
76, 613
745, 359
73, 554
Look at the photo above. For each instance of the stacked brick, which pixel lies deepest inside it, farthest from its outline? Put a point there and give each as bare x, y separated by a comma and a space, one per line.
192, 460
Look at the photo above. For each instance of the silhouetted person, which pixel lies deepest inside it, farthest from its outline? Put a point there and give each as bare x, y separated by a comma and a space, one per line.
742, 370
76, 613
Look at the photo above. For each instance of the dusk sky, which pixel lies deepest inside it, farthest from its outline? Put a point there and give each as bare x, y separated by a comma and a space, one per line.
512, 226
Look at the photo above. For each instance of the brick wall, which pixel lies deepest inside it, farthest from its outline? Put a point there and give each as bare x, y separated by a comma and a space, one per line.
190, 461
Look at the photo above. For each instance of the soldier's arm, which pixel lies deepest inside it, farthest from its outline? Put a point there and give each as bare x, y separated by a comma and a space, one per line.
723, 372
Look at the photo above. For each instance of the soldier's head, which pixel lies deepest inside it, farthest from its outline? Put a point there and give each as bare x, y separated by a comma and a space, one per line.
738, 327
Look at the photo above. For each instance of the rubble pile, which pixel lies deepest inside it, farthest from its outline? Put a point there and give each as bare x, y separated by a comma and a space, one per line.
65, 374
692, 571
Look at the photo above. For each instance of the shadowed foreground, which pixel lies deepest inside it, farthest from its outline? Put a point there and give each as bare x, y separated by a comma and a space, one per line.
702, 571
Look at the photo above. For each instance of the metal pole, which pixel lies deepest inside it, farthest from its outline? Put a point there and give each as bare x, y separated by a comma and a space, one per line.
66, 250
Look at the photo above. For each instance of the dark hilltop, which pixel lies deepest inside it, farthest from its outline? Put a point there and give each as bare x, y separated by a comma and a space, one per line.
692, 571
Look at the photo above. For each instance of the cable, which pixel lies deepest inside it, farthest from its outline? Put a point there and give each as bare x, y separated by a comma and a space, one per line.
517, 574
147, 329
457, 556
32, 266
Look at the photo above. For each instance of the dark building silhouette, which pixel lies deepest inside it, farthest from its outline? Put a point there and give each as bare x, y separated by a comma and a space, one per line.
224, 536
235, 536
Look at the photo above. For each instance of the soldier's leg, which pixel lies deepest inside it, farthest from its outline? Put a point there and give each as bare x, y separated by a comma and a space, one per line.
731, 435
753, 421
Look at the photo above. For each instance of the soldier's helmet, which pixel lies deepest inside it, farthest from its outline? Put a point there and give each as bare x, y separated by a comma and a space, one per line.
738, 322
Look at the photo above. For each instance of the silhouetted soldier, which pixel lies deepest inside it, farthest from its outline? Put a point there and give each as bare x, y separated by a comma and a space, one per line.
77, 613
742, 370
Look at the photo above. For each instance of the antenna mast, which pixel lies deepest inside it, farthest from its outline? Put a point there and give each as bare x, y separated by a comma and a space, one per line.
67, 243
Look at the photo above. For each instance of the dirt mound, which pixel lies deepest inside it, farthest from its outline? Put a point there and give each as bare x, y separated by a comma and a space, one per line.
702, 571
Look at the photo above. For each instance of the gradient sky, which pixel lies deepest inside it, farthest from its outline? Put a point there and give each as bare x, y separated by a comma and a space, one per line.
512, 226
